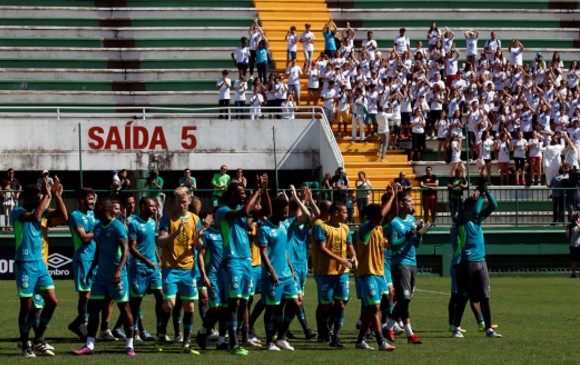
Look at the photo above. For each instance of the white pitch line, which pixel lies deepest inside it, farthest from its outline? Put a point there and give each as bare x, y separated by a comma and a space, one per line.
432, 292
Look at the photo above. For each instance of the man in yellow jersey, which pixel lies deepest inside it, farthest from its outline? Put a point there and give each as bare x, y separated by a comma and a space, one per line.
370, 279
178, 232
334, 243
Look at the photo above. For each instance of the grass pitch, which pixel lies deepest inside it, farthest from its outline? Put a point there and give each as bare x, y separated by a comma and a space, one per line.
538, 318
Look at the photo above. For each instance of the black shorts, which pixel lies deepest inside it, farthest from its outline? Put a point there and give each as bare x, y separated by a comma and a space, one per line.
242, 66
471, 139
404, 277
574, 253
313, 89
405, 119
520, 162
473, 280
418, 141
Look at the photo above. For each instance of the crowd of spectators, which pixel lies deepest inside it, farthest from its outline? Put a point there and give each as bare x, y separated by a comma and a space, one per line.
475, 95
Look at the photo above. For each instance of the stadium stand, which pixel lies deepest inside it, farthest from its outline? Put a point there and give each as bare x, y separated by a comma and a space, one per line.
117, 52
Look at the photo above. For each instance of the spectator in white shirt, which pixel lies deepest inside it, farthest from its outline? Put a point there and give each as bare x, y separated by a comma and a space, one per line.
491, 47
516, 51
307, 39
240, 87
223, 85
433, 35
401, 43
359, 109
471, 38
294, 72
328, 98
369, 46
241, 57
383, 132
292, 45
313, 84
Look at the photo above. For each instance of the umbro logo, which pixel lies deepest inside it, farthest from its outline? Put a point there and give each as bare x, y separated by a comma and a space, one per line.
57, 260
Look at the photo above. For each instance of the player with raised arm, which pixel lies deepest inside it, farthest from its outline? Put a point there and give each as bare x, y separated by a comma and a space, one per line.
50, 218
405, 235
278, 281
298, 232
232, 218
30, 270
178, 232
111, 255
472, 274
370, 251
210, 256
334, 245
388, 297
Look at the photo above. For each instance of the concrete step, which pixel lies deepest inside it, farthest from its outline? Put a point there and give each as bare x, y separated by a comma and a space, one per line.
455, 4
103, 64
345, 14
104, 12
117, 22
132, 3
112, 74
115, 53
382, 34
109, 85
147, 49
505, 34
123, 97
228, 33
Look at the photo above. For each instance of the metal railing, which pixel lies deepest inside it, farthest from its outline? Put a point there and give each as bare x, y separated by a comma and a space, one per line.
517, 206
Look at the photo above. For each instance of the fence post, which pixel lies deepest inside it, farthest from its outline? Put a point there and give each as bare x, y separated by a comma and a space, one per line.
80, 155
517, 209
275, 158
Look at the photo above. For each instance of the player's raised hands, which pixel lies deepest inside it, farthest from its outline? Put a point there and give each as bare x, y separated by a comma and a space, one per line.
57, 187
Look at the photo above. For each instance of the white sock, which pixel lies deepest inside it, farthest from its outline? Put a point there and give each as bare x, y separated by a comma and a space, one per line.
390, 324
408, 330
400, 324
129, 342
91, 343
221, 339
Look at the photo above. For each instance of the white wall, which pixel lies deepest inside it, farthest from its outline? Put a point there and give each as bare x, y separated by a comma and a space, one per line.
167, 143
